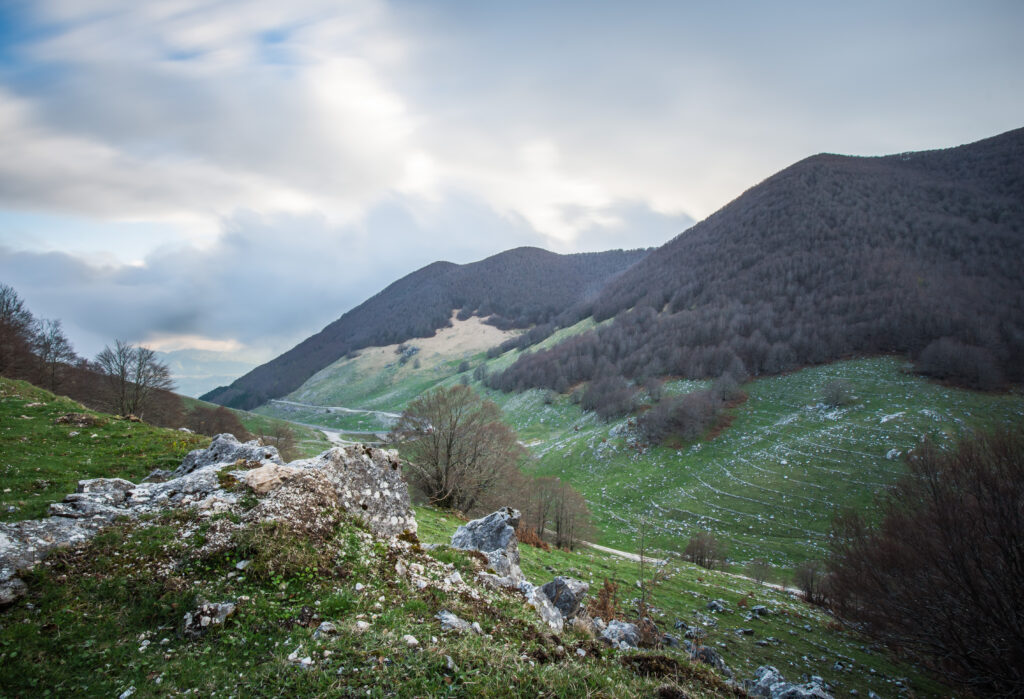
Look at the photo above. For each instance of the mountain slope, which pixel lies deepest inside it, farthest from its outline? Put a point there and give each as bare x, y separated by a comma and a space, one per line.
832, 256
518, 287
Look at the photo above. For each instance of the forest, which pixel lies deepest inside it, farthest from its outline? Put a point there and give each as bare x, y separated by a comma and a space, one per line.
916, 254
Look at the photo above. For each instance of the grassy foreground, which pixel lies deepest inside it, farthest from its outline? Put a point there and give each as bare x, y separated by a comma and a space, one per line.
107, 617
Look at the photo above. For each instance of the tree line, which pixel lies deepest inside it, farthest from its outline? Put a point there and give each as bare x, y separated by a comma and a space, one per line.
832, 257
123, 379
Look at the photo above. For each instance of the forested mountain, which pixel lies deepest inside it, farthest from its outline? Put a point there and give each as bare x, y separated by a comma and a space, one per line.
516, 288
918, 253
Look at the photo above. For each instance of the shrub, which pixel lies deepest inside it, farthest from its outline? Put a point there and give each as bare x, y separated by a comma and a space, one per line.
705, 550
837, 393
942, 575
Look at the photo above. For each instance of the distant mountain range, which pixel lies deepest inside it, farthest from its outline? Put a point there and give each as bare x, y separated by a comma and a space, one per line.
516, 288
915, 253
197, 371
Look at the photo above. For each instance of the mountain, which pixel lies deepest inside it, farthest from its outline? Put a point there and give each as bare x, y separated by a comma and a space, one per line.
915, 253
197, 371
517, 288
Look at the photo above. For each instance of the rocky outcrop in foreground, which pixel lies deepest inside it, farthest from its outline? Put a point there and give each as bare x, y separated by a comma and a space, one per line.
558, 602
309, 494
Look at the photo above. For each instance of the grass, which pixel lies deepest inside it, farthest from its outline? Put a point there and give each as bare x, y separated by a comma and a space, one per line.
107, 616
767, 486
41, 461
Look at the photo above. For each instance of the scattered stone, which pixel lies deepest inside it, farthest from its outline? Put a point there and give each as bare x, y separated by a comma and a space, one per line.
410, 640
710, 656
495, 537
242, 565
206, 615
127, 693
360, 587
770, 684
621, 634
759, 610
717, 606
362, 626
78, 420
566, 594
325, 629
450, 622
670, 641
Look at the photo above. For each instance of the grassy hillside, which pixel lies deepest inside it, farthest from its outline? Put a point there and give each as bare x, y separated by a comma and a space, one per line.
41, 461
768, 485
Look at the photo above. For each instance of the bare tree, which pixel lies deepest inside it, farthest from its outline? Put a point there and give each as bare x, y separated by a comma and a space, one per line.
54, 351
16, 326
811, 578
704, 550
942, 575
133, 375
457, 447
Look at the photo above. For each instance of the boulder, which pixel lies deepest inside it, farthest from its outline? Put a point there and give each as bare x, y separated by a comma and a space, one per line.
567, 594
495, 537
770, 684
710, 656
621, 634
368, 484
450, 622
225, 449
549, 614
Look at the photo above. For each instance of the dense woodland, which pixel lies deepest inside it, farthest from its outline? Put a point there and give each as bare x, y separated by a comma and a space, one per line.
517, 288
917, 253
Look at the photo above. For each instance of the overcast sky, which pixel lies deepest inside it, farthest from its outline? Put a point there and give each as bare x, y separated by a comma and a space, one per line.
234, 175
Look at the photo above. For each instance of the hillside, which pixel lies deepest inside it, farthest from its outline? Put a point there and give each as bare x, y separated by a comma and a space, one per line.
516, 288
831, 257
115, 614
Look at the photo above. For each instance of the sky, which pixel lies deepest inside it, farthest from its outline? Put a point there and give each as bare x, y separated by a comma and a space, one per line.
233, 175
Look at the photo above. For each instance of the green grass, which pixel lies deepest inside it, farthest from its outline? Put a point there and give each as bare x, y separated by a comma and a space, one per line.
768, 485
683, 595
41, 461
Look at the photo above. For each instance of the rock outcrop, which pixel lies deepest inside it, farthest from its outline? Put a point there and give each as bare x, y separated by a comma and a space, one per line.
495, 537
770, 684
309, 495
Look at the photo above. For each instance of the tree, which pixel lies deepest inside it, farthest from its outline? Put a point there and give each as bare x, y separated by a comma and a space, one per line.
53, 350
759, 569
811, 578
837, 393
457, 447
133, 375
704, 550
942, 575
16, 330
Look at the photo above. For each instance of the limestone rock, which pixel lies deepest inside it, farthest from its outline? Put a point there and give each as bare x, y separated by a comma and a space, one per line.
540, 601
567, 594
368, 484
495, 537
450, 622
770, 684
265, 478
710, 656
621, 634
207, 615
225, 449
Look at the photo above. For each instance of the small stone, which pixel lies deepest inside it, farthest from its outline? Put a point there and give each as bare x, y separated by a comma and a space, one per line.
326, 628
127, 693
362, 626
410, 641
242, 565
476, 628
580, 652
360, 587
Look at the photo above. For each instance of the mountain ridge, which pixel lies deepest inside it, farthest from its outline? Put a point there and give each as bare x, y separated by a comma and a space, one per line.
515, 288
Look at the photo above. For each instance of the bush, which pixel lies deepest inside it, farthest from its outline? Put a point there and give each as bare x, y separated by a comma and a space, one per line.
950, 360
942, 576
837, 393
705, 550
685, 417
609, 397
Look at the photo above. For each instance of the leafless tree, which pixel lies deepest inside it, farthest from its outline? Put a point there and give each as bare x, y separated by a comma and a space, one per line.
16, 326
457, 447
942, 575
811, 578
53, 350
704, 550
133, 375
